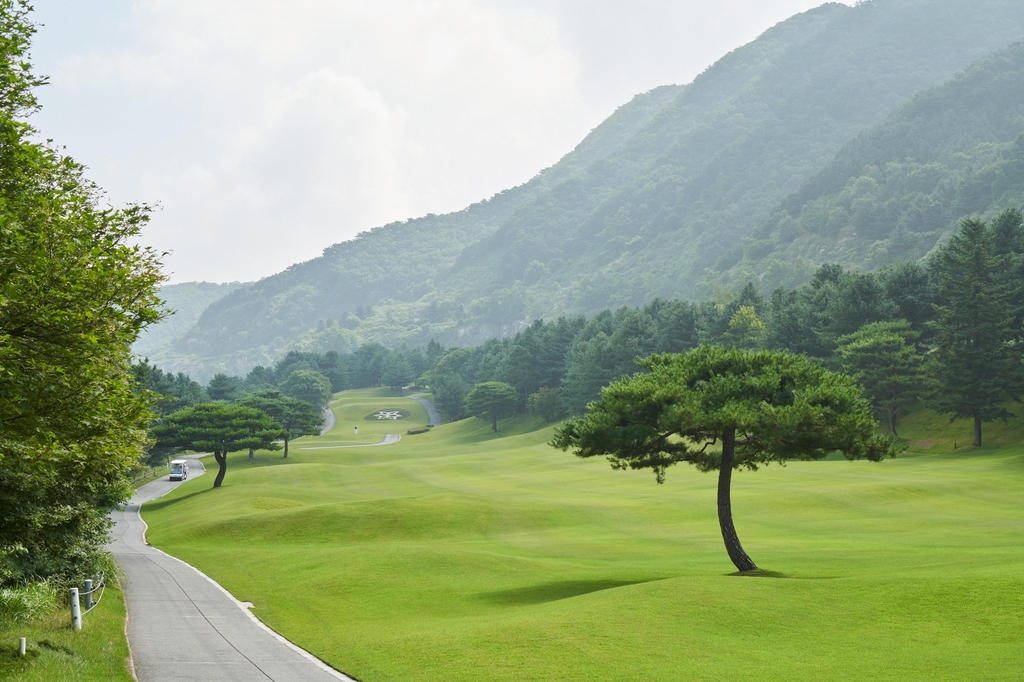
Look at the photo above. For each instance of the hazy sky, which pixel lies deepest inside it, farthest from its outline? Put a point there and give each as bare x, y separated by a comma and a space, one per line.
270, 129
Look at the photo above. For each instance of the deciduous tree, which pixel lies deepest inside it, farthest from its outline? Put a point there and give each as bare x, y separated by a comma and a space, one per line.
547, 403
491, 400
305, 384
75, 291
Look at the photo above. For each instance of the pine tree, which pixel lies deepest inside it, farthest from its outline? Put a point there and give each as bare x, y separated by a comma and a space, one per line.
979, 369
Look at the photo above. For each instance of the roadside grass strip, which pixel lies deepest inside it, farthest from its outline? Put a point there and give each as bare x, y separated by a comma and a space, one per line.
55, 652
460, 554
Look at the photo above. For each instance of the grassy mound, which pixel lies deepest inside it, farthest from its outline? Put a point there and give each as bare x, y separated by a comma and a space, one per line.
461, 554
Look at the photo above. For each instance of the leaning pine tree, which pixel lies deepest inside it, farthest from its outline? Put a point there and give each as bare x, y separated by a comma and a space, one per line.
721, 408
219, 428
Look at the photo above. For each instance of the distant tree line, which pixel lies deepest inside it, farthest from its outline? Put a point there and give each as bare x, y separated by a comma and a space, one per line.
945, 331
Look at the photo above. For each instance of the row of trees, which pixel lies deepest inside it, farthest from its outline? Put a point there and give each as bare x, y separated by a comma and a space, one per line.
946, 331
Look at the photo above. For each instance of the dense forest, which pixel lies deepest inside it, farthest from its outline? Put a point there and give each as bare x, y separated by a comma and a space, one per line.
902, 330
858, 135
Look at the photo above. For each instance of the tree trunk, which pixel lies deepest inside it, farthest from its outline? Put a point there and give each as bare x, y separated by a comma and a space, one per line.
977, 430
222, 462
251, 451
494, 422
892, 420
732, 541
286, 448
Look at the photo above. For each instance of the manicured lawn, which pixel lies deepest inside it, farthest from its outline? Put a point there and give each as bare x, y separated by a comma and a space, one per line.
464, 555
99, 653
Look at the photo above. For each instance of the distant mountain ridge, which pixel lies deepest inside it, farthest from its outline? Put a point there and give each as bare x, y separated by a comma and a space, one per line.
683, 188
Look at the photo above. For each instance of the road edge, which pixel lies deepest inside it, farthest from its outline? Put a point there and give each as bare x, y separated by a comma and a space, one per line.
323, 665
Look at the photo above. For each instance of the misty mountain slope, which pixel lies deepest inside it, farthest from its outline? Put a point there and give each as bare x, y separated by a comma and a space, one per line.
394, 262
677, 185
187, 300
718, 179
895, 191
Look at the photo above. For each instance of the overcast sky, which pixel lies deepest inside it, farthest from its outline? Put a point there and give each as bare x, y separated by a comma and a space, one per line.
270, 129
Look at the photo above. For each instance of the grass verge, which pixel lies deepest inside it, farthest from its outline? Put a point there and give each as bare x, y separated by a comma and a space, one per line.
55, 652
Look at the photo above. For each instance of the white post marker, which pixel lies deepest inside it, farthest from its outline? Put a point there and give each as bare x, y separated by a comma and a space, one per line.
88, 595
76, 610
21, 646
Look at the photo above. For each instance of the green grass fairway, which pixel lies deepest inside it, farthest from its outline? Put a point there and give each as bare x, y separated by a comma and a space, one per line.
464, 555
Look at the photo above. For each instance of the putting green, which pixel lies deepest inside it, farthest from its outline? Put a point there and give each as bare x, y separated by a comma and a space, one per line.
464, 555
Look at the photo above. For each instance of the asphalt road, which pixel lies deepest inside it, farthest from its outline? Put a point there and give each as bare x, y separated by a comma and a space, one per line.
432, 413
389, 439
329, 421
182, 626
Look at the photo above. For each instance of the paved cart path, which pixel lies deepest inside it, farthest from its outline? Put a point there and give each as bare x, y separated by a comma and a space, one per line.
389, 439
329, 421
432, 413
182, 626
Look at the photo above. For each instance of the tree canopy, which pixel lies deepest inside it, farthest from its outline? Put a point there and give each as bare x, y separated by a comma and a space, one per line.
75, 292
882, 356
979, 366
308, 385
491, 400
721, 409
295, 416
219, 428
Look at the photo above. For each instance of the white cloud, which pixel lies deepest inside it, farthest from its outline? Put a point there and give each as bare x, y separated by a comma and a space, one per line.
271, 129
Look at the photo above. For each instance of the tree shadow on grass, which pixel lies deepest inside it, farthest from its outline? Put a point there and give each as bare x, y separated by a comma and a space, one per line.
762, 573
554, 591
160, 503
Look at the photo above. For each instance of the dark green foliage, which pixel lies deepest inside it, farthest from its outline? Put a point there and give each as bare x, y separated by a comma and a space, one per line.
297, 417
882, 356
75, 292
307, 385
547, 403
979, 364
223, 387
723, 408
491, 400
450, 393
219, 428
397, 372
175, 391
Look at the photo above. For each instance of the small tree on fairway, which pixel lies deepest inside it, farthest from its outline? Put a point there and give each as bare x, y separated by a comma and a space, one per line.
883, 358
491, 400
220, 428
305, 384
295, 416
547, 404
724, 408
978, 365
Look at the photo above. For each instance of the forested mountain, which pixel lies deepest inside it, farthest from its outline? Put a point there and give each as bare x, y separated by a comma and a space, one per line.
187, 300
679, 185
897, 190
